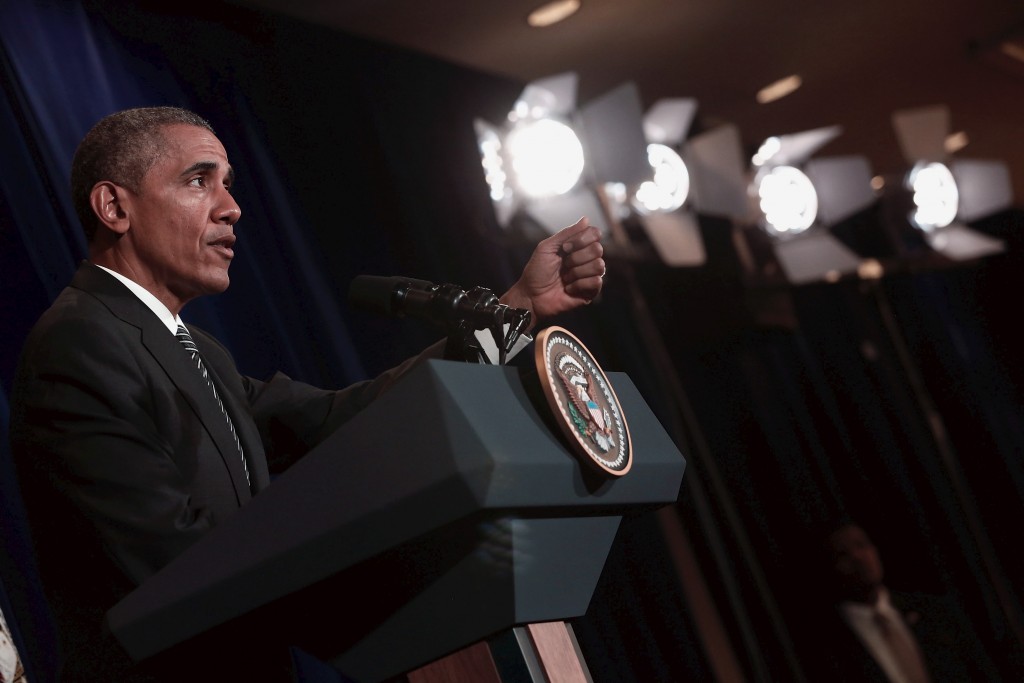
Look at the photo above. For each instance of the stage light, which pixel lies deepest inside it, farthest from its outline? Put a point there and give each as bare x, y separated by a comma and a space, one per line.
787, 199
947, 193
659, 202
492, 158
769, 148
622, 164
800, 198
542, 172
684, 178
936, 199
547, 157
494, 165
670, 186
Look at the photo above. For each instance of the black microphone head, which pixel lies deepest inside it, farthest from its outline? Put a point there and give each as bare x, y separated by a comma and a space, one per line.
380, 294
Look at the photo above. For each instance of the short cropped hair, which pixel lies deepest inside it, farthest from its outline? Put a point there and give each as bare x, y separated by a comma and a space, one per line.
121, 148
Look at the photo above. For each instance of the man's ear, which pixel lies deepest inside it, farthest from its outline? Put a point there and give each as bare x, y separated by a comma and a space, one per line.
109, 202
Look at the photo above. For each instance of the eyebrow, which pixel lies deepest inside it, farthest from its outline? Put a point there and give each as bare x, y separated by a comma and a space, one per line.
206, 166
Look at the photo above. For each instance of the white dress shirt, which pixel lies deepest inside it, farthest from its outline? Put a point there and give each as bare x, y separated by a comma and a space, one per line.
861, 618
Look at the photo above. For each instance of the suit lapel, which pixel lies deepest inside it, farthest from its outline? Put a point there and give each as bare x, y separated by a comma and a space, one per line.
167, 351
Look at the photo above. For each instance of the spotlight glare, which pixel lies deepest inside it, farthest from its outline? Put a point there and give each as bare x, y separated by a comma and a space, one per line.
955, 142
1012, 50
787, 199
552, 13
547, 157
935, 196
520, 111
871, 269
778, 89
490, 158
670, 186
766, 151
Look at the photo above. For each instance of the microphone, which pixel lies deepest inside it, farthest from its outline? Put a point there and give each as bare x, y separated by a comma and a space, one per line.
448, 305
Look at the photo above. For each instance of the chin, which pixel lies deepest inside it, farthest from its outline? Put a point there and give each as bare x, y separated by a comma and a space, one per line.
216, 285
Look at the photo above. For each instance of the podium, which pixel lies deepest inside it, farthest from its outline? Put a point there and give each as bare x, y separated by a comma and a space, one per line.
448, 511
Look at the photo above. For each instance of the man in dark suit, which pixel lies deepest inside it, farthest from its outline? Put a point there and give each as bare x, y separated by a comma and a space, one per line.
889, 636
134, 435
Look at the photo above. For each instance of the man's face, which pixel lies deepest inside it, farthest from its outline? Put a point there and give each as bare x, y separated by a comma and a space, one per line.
855, 558
181, 222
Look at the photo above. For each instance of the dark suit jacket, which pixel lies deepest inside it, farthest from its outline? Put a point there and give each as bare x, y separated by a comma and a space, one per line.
123, 456
951, 649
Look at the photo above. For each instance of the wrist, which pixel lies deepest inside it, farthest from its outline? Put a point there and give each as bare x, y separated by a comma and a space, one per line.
515, 297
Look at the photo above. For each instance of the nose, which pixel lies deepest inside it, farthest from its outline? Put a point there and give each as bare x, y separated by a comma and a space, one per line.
227, 211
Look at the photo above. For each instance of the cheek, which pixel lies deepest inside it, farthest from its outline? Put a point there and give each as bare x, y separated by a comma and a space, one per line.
187, 221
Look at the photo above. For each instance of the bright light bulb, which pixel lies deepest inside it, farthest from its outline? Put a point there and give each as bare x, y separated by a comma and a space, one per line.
490, 158
670, 185
935, 196
787, 200
766, 151
547, 157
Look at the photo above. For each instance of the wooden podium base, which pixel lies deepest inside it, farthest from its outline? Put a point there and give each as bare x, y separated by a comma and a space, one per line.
536, 653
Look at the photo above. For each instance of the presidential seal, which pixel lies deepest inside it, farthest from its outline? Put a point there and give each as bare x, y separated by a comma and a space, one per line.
583, 401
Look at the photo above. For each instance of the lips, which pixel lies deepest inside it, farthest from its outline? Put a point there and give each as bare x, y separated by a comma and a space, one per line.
224, 245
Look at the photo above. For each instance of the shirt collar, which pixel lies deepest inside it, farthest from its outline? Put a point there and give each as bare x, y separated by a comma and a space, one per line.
862, 610
169, 320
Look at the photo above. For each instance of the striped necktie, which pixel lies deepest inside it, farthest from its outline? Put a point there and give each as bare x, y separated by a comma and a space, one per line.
190, 346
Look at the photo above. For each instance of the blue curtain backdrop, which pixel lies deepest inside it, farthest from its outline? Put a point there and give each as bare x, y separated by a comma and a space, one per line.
898, 401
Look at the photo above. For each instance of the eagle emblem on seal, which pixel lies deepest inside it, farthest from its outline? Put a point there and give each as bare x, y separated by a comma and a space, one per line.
583, 401
592, 421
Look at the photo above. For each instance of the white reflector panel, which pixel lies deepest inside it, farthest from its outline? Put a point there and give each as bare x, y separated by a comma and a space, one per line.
922, 132
960, 243
984, 186
718, 173
676, 237
815, 256
843, 185
668, 121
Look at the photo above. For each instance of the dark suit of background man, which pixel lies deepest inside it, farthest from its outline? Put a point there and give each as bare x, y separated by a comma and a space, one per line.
123, 454
862, 640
